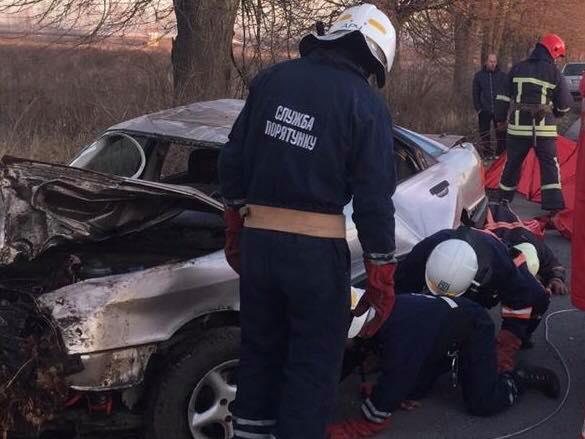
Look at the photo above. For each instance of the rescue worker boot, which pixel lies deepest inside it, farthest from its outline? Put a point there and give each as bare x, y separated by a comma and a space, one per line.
538, 378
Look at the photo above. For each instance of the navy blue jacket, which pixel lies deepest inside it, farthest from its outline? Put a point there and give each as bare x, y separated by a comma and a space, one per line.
312, 134
486, 86
509, 228
536, 80
499, 279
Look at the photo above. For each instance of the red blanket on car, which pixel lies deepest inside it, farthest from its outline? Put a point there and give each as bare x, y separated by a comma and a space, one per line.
578, 243
529, 184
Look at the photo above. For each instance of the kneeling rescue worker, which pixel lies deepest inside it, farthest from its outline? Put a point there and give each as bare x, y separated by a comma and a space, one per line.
535, 95
450, 334
507, 225
312, 134
478, 263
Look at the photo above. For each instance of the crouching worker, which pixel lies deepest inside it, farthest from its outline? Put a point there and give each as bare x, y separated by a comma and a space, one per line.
508, 226
427, 336
489, 272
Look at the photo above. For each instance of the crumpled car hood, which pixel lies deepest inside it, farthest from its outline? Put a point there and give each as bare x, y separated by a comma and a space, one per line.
43, 205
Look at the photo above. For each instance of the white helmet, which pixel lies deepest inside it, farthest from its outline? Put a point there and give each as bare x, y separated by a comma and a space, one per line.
531, 255
375, 27
451, 268
357, 323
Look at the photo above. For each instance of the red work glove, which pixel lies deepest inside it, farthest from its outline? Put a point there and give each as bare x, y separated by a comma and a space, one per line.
507, 345
355, 429
557, 287
233, 225
379, 295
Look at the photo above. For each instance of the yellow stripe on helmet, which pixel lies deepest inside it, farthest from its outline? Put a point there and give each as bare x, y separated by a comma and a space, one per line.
376, 24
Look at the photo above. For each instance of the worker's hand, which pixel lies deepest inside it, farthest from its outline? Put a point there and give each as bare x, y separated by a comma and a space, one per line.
502, 125
379, 295
410, 405
557, 287
233, 225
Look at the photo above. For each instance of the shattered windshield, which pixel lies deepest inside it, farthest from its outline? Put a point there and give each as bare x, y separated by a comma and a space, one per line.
113, 154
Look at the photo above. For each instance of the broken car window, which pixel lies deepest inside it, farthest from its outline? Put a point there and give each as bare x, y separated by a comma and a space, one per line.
114, 154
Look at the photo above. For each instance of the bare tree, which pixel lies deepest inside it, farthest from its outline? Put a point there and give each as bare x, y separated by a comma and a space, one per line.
201, 51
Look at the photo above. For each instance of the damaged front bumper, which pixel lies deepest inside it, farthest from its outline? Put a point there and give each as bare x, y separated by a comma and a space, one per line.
112, 370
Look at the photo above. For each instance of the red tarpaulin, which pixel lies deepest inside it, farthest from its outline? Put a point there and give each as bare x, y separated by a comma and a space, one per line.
578, 243
529, 184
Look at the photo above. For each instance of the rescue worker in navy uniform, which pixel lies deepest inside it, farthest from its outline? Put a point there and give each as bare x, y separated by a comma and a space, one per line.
489, 272
535, 95
312, 134
451, 334
508, 226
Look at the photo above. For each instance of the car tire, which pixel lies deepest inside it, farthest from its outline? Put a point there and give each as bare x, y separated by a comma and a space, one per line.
200, 381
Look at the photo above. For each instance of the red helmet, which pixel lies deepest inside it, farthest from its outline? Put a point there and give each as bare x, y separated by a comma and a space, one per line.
554, 44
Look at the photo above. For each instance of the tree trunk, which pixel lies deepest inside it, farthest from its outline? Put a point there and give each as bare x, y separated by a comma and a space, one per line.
201, 53
464, 37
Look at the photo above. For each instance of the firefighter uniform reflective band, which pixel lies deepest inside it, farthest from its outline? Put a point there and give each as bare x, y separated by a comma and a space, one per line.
550, 173
253, 428
523, 313
319, 225
372, 414
535, 96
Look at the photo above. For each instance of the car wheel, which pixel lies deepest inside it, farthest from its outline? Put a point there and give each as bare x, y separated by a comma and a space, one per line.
193, 397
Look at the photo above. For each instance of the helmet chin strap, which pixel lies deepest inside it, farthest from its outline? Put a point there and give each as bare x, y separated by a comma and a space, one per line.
320, 28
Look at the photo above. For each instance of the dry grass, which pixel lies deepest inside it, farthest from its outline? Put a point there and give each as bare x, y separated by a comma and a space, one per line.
53, 100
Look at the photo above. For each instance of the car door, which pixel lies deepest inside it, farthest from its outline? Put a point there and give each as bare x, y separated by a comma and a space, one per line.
424, 200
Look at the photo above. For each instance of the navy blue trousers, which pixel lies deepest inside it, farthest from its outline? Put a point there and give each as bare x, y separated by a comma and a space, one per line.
295, 301
410, 364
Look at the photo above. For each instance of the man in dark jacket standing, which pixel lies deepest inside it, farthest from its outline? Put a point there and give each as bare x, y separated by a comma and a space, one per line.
536, 94
487, 83
312, 134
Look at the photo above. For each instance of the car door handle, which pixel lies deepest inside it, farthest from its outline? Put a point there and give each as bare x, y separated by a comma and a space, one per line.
440, 190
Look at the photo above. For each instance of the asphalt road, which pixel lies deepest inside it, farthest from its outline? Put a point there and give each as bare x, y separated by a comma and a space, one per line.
443, 416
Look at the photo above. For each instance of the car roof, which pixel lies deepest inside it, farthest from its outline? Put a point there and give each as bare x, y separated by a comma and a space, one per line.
202, 123
207, 122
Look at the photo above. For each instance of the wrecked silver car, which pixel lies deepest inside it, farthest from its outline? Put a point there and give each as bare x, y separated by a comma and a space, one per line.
117, 306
